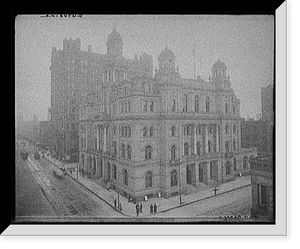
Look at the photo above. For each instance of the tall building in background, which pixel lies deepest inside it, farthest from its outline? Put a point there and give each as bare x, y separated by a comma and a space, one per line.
74, 73
161, 135
267, 103
260, 133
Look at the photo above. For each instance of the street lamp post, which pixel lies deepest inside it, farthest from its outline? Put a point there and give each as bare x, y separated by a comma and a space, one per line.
180, 198
118, 173
77, 170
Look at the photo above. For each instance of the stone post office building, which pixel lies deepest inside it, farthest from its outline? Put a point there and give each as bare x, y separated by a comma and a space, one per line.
143, 134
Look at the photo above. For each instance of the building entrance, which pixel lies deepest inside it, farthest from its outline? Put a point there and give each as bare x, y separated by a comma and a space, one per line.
190, 174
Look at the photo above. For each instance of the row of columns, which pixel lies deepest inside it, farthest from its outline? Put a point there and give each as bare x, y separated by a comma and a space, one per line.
194, 142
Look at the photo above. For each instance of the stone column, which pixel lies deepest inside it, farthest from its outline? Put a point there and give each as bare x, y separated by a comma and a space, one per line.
206, 138
195, 139
180, 141
217, 138
104, 137
98, 138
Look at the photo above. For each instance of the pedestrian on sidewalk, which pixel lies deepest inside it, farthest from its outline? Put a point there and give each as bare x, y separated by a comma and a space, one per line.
120, 207
137, 208
151, 208
141, 208
155, 208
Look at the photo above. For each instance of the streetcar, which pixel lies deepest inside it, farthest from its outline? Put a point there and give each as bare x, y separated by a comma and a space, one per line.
58, 173
24, 154
36, 155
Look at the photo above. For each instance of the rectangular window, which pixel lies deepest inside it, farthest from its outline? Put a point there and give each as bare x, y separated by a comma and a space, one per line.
173, 105
151, 106
125, 109
151, 132
144, 106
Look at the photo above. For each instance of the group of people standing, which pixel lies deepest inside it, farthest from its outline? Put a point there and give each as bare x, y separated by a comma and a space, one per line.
139, 208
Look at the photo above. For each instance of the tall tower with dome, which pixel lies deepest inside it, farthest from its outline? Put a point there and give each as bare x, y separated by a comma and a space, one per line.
166, 66
114, 44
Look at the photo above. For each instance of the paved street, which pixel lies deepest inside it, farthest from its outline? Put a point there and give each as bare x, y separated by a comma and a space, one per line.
30, 201
58, 199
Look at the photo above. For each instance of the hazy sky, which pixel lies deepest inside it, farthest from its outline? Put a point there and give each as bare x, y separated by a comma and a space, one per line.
245, 43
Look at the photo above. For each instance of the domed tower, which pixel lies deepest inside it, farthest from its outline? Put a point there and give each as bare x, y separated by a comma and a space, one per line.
219, 71
166, 65
114, 44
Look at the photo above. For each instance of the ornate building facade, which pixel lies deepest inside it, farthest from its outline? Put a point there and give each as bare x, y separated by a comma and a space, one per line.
146, 136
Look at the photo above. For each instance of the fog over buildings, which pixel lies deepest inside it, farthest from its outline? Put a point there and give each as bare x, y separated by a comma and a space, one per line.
244, 43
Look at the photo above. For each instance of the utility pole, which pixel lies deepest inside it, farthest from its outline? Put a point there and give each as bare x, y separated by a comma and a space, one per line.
77, 169
118, 173
180, 198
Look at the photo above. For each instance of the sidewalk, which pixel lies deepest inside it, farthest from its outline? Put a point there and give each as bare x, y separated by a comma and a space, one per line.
128, 208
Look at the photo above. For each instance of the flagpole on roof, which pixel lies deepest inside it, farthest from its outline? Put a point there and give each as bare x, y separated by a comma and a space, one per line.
194, 52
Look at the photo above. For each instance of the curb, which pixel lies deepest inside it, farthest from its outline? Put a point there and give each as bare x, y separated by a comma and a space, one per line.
166, 210
96, 195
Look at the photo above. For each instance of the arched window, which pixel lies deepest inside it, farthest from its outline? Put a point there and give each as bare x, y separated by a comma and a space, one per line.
227, 128
234, 128
227, 147
197, 104
186, 149
129, 131
128, 152
227, 168
82, 159
108, 171
185, 103
226, 108
115, 172
122, 131
173, 131
234, 145
198, 148
148, 152
174, 178
123, 151
94, 165
151, 131
209, 147
173, 105
101, 169
173, 152
207, 105
245, 162
125, 175
234, 164
148, 179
